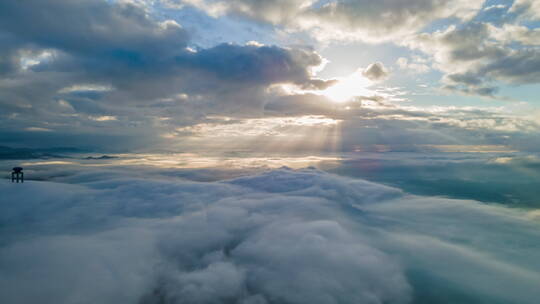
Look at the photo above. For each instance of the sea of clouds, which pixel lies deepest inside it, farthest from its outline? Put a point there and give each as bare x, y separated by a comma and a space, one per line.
109, 235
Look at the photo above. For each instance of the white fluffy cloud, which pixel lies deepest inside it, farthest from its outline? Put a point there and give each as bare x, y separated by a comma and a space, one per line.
344, 19
282, 236
528, 8
477, 55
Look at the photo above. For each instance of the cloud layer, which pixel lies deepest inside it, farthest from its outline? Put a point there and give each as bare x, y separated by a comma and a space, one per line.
281, 236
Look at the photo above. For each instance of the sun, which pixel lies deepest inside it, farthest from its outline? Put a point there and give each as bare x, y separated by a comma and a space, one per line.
348, 87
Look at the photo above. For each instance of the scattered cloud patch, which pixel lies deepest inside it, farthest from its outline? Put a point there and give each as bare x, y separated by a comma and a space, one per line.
376, 72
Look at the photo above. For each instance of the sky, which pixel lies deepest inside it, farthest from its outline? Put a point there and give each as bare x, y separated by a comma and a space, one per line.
202, 75
270, 151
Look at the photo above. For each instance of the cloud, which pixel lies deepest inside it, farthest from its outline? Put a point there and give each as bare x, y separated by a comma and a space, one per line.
477, 55
281, 236
376, 72
417, 65
254, 64
311, 123
528, 8
510, 33
493, 177
343, 19
115, 60
136, 81
120, 33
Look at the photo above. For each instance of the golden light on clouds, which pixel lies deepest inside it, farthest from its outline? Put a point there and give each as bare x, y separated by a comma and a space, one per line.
349, 87
276, 134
